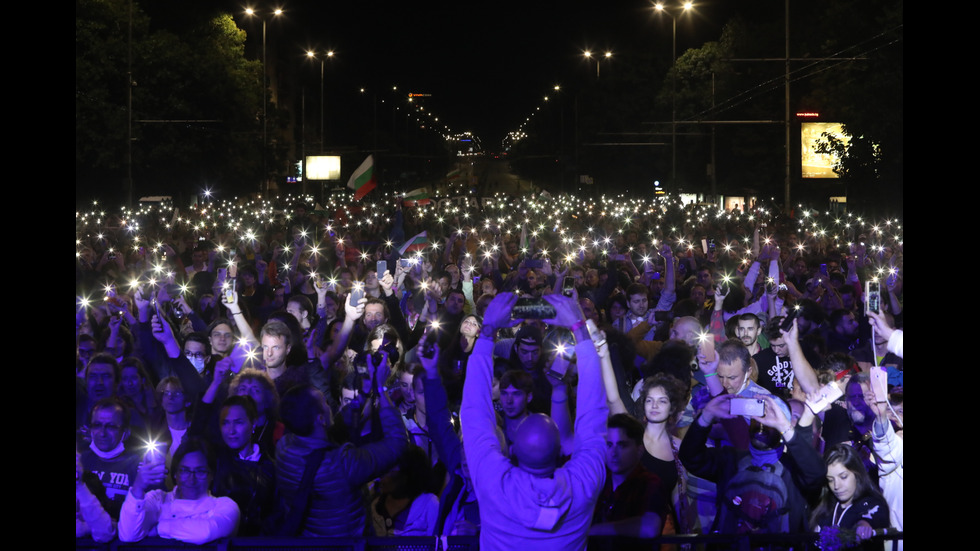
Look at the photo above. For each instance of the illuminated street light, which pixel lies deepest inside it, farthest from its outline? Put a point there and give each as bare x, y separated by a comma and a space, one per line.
598, 61
265, 90
686, 6
311, 54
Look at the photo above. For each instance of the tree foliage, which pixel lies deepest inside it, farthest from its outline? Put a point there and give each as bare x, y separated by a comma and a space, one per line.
195, 101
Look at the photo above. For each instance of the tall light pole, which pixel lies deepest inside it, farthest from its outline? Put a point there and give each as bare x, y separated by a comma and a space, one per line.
313, 55
673, 89
265, 90
598, 60
561, 137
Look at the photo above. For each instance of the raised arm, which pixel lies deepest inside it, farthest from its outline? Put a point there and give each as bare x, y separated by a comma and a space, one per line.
163, 333
896, 337
366, 462
336, 347
235, 313
485, 457
141, 510
609, 382
708, 362
444, 438
560, 412
591, 410
802, 370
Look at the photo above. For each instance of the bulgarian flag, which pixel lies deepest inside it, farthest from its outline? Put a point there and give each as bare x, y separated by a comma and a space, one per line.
362, 181
417, 197
416, 243
454, 173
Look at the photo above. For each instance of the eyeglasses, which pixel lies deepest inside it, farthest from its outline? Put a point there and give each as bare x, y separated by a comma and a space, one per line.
195, 355
200, 474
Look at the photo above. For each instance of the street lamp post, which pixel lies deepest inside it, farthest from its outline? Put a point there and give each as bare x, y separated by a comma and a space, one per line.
598, 60
265, 90
661, 8
313, 55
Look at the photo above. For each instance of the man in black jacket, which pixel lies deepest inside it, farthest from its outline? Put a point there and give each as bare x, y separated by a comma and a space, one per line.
334, 506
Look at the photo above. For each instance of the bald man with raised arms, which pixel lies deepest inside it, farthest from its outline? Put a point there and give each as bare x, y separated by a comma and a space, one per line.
533, 499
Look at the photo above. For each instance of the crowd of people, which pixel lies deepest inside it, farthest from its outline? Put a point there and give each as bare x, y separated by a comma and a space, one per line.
531, 369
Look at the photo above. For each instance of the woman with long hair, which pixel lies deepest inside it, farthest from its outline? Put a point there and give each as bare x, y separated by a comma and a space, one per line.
850, 501
453, 364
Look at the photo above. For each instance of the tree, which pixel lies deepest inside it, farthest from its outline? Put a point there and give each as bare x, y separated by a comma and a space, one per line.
195, 99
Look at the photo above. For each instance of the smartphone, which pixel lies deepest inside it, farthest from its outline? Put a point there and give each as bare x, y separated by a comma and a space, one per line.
872, 297
405, 262
382, 268
357, 293
153, 453
788, 320
567, 352
879, 383
177, 310
428, 350
568, 286
535, 263
230, 291
706, 346
826, 395
753, 407
532, 308
823, 270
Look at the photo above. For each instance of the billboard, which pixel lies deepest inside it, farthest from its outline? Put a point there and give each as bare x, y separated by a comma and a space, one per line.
322, 167
814, 164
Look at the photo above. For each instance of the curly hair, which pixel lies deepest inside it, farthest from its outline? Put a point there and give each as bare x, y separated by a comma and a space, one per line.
675, 390
250, 374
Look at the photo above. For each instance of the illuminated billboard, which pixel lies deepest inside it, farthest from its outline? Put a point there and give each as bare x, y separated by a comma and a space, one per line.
814, 164
322, 167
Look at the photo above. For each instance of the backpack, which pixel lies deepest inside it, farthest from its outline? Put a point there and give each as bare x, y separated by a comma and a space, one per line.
755, 500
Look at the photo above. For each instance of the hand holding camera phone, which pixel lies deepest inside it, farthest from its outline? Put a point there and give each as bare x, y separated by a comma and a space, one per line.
532, 308
752, 407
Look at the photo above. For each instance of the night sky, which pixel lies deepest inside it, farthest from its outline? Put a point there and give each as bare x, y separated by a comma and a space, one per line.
486, 64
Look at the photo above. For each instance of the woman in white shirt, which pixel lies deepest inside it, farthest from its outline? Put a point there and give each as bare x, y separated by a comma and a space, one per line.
189, 512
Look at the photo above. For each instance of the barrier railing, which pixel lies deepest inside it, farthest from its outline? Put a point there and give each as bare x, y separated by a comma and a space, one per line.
741, 542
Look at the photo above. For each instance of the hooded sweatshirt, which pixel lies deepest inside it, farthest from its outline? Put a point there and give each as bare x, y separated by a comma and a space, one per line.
516, 506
